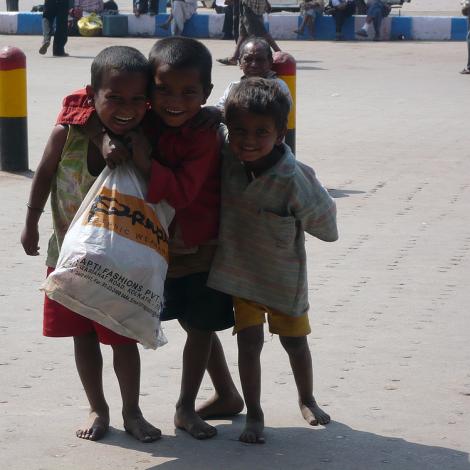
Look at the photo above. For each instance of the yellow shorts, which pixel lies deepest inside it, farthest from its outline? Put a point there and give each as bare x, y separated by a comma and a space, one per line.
249, 313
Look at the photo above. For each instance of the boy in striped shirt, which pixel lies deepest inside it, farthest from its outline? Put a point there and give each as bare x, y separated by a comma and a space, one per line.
268, 201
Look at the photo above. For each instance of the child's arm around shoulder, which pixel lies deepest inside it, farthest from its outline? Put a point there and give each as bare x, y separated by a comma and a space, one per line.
316, 210
41, 187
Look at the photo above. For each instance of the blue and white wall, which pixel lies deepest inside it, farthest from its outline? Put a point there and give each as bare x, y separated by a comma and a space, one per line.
281, 26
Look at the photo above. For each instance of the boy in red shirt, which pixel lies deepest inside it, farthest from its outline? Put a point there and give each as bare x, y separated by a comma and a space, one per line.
185, 171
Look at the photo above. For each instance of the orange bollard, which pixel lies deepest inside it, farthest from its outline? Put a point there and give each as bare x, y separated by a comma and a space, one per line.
285, 67
13, 115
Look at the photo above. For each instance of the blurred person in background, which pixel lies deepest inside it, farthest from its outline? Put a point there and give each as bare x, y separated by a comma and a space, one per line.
58, 11
377, 10
466, 12
341, 10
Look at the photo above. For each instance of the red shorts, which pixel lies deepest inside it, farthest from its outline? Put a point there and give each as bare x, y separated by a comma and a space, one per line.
59, 321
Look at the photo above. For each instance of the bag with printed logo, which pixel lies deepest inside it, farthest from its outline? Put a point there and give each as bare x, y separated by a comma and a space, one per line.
114, 258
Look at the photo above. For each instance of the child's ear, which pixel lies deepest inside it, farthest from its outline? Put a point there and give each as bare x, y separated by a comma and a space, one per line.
90, 93
281, 136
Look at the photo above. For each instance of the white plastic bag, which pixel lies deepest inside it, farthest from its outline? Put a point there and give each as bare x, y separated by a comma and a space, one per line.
114, 258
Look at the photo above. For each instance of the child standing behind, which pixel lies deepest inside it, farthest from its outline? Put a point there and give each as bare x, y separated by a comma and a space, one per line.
268, 201
256, 60
69, 166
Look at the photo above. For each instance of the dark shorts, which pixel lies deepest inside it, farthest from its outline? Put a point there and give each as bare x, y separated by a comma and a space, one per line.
251, 24
189, 300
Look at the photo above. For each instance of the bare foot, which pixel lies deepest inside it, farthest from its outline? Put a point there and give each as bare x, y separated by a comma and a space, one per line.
95, 428
136, 425
313, 414
217, 406
253, 432
164, 25
192, 423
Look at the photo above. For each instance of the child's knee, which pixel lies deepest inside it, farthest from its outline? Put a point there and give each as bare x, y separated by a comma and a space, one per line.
250, 341
294, 345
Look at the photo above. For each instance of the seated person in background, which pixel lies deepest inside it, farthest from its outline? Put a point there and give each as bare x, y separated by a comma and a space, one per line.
83, 8
309, 10
361, 7
110, 7
181, 11
89, 6
377, 10
141, 7
341, 10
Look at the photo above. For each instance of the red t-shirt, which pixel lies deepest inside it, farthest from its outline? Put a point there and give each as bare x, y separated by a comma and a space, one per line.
185, 170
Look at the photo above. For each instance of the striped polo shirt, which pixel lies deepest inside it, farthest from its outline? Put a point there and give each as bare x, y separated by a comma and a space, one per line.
261, 253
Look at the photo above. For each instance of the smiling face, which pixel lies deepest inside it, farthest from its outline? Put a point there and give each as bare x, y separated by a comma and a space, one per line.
177, 94
121, 100
252, 136
255, 61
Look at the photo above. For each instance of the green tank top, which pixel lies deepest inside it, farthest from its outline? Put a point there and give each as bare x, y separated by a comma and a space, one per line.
69, 187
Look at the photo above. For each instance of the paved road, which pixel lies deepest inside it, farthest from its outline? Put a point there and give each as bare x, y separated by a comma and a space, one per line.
386, 128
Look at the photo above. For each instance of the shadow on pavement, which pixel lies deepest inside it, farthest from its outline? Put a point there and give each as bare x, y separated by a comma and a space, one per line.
334, 447
337, 193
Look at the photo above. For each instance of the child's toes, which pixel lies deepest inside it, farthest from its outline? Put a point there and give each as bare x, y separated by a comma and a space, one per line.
324, 419
141, 429
314, 415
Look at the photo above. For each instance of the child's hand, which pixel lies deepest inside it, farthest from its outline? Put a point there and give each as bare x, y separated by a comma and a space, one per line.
113, 150
30, 240
208, 117
141, 151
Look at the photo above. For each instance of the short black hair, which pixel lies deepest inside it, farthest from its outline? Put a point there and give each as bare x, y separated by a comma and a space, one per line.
181, 52
260, 96
256, 41
121, 58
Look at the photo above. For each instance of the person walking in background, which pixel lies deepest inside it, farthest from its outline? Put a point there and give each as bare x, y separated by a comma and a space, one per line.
377, 10
251, 24
57, 10
466, 12
231, 21
341, 10
89, 6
